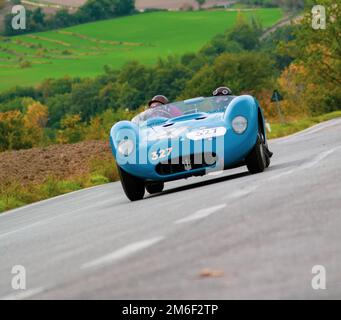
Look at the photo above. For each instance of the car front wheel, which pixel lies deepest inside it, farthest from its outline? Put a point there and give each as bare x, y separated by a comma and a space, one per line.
133, 187
155, 187
256, 161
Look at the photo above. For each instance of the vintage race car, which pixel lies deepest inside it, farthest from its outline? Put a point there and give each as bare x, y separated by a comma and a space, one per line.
189, 138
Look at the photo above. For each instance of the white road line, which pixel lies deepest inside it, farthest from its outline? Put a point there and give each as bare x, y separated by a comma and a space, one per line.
201, 214
241, 192
121, 253
306, 165
319, 158
285, 173
24, 294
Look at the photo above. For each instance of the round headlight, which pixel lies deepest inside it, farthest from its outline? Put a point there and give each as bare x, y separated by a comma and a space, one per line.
126, 147
239, 124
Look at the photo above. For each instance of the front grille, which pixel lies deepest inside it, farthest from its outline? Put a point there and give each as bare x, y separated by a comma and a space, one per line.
186, 164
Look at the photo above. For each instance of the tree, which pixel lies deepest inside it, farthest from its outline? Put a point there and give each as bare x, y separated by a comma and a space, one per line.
169, 77
319, 52
62, 19
102, 9
72, 129
38, 16
200, 3
220, 44
270, 45
59, 105
84, 98
2, 4
246, 34
12, 131
246, 72
35, 120
101, 124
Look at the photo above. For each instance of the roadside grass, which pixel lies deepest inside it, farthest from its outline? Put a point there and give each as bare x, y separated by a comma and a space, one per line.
101, 171
280, 130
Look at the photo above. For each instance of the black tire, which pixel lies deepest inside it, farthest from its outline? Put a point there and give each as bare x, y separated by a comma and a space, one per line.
268, 154
155, 187
133, 187
256, 161
267, 159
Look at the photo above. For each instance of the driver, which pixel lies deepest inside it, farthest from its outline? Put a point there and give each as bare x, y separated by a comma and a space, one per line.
222, 95
222, 91
160, 100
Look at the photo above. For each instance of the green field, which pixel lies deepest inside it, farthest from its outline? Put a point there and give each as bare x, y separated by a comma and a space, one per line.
83, 50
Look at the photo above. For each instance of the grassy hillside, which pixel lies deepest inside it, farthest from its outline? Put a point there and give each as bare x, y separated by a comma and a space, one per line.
83, 50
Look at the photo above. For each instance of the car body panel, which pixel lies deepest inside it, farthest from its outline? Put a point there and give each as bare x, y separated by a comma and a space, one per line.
188, 135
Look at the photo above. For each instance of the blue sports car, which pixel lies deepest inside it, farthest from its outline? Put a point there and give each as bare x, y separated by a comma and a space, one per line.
189, 138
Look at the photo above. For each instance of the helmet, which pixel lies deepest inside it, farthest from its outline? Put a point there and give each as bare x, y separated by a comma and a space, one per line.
160, 99
222, 91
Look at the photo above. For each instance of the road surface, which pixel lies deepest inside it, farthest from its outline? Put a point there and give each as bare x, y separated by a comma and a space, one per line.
228, 236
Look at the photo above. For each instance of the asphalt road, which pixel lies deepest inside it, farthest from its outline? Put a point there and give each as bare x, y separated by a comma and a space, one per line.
228, 236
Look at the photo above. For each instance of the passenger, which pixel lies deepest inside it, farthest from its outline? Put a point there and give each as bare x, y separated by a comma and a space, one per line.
169, 111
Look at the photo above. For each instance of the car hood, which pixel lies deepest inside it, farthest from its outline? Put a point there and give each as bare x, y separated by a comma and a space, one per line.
180, 127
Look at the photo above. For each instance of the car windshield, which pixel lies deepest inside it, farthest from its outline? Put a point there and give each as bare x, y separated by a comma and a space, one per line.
177, 109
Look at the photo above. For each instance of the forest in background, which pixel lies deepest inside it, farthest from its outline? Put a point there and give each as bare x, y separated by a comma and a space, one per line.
303, 63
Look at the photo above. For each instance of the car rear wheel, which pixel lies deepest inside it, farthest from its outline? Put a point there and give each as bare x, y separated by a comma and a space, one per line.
256, 161
133, 187
155, 187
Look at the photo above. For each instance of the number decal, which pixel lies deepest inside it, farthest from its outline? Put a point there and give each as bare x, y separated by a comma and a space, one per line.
161, 154
206, 133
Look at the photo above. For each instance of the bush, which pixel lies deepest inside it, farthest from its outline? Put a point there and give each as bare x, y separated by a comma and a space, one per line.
105, 168
97, 179
25, 64
186, 7
53, 187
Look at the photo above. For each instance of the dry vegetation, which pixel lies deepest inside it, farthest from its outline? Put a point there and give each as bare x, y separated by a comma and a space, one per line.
36, 174
61, 161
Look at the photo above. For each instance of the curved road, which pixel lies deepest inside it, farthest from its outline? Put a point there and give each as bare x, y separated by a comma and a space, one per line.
227, 236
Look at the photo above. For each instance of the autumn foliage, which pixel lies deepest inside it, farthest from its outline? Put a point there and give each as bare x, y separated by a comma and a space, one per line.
23, 130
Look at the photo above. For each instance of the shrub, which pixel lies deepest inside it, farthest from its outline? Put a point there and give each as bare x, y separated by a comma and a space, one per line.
98, 179
105, 168
25, 64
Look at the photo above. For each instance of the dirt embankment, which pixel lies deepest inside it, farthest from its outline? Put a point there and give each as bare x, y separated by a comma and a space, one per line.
61, 161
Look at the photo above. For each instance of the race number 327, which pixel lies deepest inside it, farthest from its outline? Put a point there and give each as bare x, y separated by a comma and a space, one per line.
161, 154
